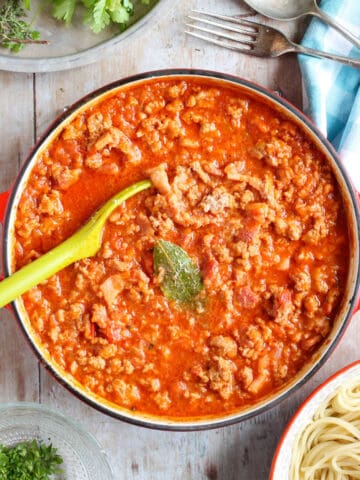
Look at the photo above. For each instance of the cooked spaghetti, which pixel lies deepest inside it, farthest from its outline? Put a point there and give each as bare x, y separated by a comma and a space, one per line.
329, 447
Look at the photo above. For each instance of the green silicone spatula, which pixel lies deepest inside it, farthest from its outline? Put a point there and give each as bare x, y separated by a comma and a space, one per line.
83, 243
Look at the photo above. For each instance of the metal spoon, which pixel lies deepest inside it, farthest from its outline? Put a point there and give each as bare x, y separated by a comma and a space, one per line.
83, 243
291, 10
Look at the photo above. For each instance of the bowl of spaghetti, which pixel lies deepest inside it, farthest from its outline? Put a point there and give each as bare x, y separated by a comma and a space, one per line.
322, 440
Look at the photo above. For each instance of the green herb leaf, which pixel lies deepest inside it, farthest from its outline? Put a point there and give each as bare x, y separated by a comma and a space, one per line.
180, 277
64, 10
101, 13
120, 12
15, 32
29, 460
27, 4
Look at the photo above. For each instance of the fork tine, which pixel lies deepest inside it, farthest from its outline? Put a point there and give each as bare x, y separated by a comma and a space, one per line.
221, 25
232, 19
218, 34
228, 45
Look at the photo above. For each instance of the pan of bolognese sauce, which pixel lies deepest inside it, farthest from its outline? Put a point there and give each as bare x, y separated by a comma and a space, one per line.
217, 291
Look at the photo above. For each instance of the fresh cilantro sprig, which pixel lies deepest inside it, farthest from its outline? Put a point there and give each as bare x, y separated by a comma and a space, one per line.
64, 9
98, 13
29, 460
15, 31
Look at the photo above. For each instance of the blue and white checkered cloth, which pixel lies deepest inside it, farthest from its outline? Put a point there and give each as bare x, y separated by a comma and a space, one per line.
331, 89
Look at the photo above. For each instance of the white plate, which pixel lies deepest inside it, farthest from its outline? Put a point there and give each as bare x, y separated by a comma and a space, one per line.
281, 462
76, 45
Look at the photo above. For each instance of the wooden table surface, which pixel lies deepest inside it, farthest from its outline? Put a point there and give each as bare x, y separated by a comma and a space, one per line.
29, 102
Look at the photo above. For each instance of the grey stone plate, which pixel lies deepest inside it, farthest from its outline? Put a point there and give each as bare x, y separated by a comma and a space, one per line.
76, 45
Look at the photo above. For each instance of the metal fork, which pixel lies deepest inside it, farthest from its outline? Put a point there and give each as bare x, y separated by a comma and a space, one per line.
245, 36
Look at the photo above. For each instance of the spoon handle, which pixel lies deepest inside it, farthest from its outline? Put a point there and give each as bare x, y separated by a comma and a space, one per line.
83, 243
317, 12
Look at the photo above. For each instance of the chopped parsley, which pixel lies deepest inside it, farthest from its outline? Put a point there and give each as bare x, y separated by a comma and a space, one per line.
30, 460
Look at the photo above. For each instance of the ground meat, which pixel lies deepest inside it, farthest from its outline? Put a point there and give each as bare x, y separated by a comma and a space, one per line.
312, 304
99, 315
246, 297
115, 138
243, 191
94, 160
277, 153
221, 376
96, 124
246, 376
205, 177
162, 400
302, 280
225, 346
211, 272
217, 201
281, 307
321, 280
236, 110
65, 177
111, 288
51, 204
159, 178
125, 393
235, 170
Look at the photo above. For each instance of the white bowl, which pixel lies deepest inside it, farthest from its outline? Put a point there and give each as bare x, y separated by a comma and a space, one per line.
281, 463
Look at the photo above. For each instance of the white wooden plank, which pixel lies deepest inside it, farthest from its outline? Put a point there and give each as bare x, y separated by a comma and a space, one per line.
19, 377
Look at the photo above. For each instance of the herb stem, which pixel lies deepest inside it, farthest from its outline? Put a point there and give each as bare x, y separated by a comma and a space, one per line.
6, 38
14, 30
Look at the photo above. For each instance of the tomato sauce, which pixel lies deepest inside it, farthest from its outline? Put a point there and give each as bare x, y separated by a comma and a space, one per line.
242, 191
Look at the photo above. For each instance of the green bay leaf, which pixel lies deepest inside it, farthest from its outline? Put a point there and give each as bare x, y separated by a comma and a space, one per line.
180, 277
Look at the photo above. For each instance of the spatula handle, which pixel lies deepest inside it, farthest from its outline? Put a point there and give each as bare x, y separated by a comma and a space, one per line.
36, 272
